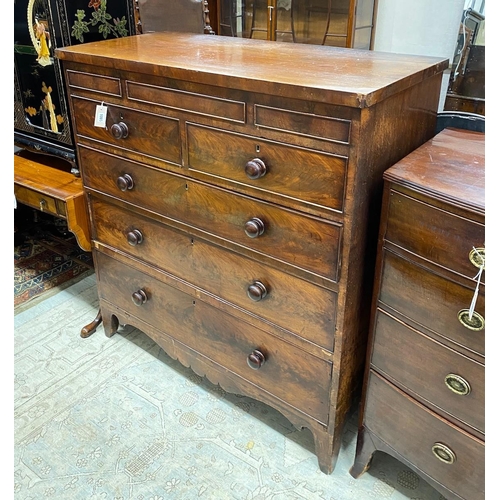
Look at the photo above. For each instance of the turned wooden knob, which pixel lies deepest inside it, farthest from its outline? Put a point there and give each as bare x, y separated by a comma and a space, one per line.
134, 237
139, 297
255, 168
119, 130
255, 359
125, 182
257, 291
254, 228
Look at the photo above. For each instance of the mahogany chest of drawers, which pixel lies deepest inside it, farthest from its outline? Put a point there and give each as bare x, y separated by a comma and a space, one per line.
233, 188
424, 393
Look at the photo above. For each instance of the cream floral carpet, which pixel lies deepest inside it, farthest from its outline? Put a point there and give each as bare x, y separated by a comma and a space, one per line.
116, 419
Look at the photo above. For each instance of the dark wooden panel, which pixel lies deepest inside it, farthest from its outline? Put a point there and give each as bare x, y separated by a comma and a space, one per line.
433, 234
430, 300
95, 83
187, 101
425, 370
221, 272
292, 172
308, 124
290, 374
148, 134
305, 242
412, 430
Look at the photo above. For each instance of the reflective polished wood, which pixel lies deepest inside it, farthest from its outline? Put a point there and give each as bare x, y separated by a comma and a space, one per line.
424, 390
233, 213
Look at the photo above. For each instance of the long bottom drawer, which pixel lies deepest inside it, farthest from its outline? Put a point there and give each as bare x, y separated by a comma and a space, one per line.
439, 449
291, 374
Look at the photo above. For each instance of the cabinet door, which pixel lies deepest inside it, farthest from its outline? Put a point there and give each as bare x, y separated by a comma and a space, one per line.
41, 115
340, 23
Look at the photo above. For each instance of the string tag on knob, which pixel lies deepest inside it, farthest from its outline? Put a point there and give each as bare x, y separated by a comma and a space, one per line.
101, 112
478, 278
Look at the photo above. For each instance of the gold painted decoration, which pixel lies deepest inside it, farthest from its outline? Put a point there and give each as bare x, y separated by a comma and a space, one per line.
40, 36
47, 107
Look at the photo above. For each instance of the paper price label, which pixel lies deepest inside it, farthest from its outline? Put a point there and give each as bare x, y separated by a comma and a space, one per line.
100, 116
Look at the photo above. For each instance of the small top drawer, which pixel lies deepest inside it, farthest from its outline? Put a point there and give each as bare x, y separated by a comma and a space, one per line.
151, 135
293, 172
299, 240
434, 234
39, 201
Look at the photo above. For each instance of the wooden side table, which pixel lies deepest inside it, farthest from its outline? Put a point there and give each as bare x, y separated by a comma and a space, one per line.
53, 191
49, 189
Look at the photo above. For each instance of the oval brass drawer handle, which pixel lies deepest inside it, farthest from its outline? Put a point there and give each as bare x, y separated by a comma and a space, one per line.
476, 322
256, 359
255, 169
457, 384
444, 453
478, 257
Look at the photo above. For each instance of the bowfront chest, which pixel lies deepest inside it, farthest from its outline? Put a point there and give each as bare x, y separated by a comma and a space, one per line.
424, 399
234, 187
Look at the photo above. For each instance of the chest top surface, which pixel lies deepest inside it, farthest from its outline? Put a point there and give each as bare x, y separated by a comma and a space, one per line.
451, 167
350, 77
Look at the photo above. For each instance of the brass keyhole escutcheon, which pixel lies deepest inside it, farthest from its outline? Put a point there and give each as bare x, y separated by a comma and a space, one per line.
457, 384
475, 322
478, 257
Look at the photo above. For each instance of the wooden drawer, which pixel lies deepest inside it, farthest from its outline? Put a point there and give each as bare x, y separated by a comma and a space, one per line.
277, 297
294, 376
421, 365
297, 173
430, 300
199, 103
107, 85
433, 234
40, 201
328, 128
151, 135
413, 431
302, 241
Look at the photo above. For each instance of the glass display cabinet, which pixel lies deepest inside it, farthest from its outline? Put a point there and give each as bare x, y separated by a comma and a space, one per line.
340, 23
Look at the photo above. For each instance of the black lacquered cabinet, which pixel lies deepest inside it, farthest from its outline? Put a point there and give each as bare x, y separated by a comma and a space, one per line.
41, 119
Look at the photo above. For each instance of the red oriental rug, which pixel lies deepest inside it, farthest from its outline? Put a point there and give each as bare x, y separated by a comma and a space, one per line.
46, 262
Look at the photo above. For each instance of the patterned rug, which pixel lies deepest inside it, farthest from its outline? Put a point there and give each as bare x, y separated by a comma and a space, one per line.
117, 419
46, 261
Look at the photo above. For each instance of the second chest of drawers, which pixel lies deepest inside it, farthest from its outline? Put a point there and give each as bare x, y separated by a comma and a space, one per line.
424, 399
232, 201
